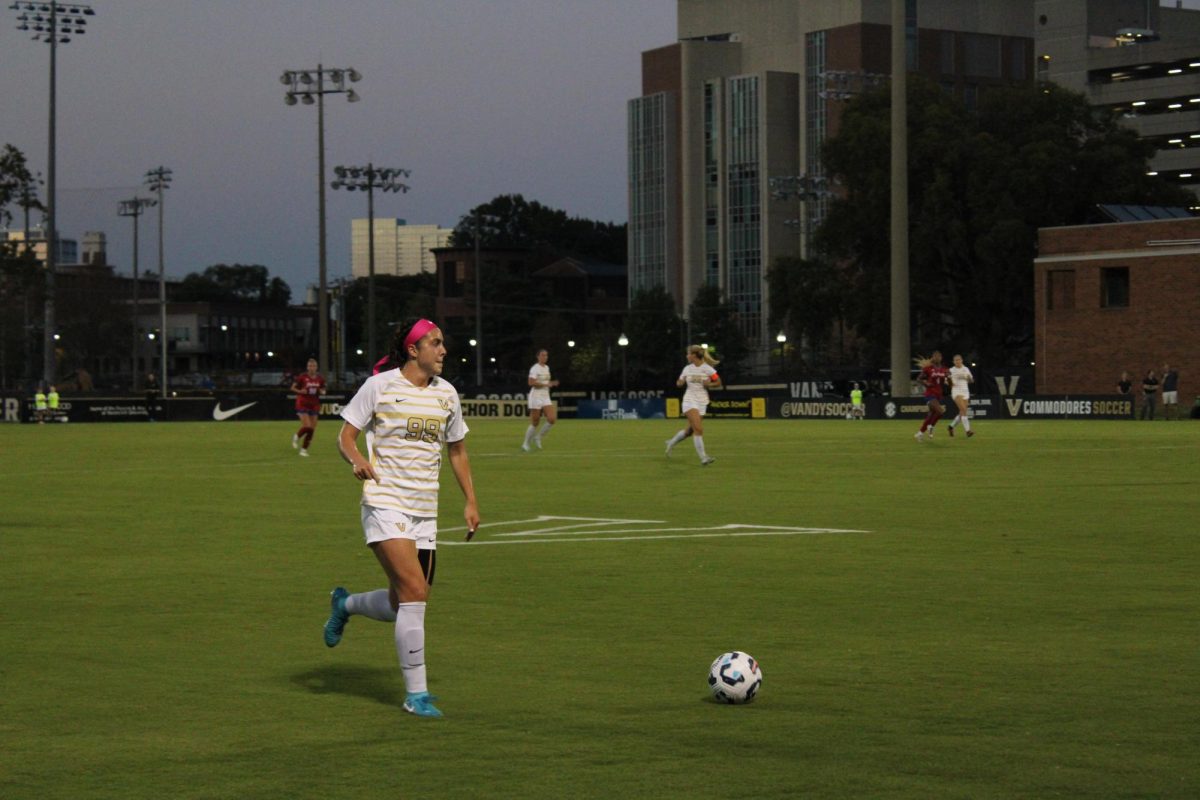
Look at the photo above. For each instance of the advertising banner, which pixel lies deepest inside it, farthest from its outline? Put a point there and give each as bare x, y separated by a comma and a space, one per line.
224, 407
499, 409
982, 407
725, 404
12, 408
651, 408
1069, 407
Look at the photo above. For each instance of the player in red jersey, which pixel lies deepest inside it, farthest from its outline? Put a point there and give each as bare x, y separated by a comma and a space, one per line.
308, 386
933, 378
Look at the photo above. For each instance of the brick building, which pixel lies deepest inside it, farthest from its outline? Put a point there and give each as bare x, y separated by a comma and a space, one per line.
1113, 297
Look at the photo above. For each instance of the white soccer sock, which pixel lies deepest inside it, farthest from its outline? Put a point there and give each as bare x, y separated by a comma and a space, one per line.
677, 438
954, 421
544, 430
410, 645
529, 432
966, 423
699, 442
375, 605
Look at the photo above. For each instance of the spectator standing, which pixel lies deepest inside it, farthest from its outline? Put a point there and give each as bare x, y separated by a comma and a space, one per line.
151, 393
1124, 386
39, 405
1170, 392
1149, 394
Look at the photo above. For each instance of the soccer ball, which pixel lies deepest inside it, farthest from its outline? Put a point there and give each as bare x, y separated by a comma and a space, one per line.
734, 678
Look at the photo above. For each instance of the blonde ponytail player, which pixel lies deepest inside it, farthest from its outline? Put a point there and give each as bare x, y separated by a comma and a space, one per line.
699, 374
960, 392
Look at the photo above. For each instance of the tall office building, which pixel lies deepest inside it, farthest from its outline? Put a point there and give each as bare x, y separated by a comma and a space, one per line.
748, 93
1141, 59
400, 249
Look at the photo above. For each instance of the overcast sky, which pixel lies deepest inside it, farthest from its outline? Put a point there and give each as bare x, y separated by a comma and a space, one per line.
476, 97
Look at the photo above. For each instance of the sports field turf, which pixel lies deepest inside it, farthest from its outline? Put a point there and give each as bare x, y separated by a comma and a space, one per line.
1017, 615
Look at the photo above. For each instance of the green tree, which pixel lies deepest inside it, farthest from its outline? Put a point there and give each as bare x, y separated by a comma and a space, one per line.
397, 297
509, 220
715, 323
22, 280
980, 185
236, 283
655, 334
806, 303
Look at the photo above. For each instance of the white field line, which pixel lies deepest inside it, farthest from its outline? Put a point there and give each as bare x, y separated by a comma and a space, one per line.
550, 518
730, 527
702, 535
571, 533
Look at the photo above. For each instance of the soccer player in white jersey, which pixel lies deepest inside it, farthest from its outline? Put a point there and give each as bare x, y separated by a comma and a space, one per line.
699, 374
540, 404
960, 381
412, 411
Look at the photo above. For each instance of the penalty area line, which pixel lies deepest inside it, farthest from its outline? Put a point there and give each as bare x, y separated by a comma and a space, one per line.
704, 535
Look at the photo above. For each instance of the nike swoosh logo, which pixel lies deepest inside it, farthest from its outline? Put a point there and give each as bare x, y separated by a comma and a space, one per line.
219, 415
410, 652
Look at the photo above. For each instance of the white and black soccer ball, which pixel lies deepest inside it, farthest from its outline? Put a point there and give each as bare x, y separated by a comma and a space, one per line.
735, 678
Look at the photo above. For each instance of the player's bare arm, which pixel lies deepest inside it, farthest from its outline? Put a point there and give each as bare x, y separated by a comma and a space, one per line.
348, 447
460, 463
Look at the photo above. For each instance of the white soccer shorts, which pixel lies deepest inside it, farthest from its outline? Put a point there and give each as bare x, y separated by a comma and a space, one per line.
381, 524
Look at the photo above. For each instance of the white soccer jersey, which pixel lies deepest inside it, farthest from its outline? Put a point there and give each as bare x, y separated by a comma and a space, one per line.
696, 380
410, 424
960, 378
541, 374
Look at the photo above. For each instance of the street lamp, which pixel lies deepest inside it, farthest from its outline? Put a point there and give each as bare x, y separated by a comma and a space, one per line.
624, 343
368, 179
52, 23
133, 208
781, 338
158, 180
301, 87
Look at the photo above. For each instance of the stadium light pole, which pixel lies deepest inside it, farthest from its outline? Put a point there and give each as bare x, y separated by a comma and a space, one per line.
368, 179
781, 338
301, 88
157, 181
623, 342
52, 23
134, 208
899, 201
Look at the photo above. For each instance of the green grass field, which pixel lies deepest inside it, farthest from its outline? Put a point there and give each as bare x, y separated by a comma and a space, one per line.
1016, 615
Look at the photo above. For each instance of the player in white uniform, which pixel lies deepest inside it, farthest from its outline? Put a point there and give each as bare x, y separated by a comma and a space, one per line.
960, 381
540, 404
412, 412
699, 374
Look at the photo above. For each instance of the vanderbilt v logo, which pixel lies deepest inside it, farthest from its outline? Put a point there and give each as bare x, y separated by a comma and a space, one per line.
1014, 405
1011, 387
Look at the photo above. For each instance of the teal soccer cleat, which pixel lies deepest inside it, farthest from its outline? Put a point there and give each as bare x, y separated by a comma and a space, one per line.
338, 617
421, 704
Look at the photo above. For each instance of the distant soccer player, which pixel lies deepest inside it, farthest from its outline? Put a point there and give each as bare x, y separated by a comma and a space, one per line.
699, 374
933, 378
540, 404
412, 411
308, 386
960, 391
857, 411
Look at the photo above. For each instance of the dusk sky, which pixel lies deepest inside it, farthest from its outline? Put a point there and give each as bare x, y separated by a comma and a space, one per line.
476, 97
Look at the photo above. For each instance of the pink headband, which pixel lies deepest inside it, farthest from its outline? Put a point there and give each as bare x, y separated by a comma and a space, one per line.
422, 327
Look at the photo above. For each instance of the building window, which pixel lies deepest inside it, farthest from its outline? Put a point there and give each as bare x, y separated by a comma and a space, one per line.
1018, 68
1114, 287
1060, 289
981, 55
946, 56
